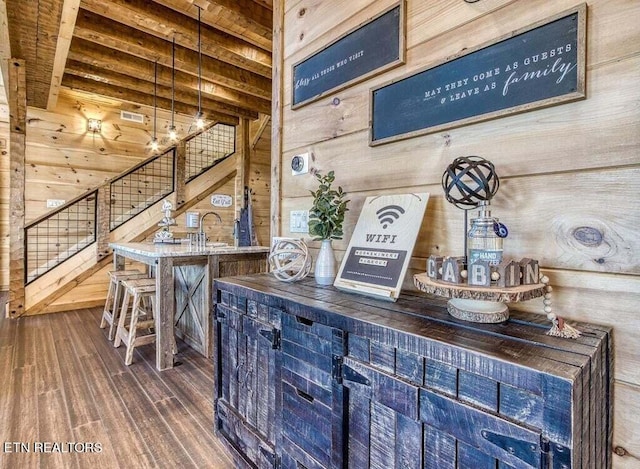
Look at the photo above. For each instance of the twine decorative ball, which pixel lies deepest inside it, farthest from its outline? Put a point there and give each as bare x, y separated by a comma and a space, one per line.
290, 259
468, 180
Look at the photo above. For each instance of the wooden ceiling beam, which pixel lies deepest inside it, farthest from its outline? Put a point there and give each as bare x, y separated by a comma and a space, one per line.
164, 22
189, 97
268, 4
124, 94
23, 20
119, 62
100, 30
242, 18
67, 24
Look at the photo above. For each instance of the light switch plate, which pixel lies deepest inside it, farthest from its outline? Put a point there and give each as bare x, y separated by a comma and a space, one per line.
299, 221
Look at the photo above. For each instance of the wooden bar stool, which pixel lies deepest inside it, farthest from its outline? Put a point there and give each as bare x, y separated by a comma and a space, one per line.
114, 296
141, 317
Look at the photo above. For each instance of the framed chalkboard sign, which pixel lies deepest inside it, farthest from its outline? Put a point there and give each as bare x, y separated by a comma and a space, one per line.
538, 66
369, 49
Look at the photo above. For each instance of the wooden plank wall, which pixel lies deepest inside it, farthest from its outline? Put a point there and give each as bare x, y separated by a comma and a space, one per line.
563, 168
92, 291
4, 189
260, 177
64, 160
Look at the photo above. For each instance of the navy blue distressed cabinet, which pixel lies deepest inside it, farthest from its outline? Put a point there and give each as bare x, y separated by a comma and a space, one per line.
311, 377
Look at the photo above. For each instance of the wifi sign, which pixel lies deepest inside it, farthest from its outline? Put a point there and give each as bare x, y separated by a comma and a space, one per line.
389, 214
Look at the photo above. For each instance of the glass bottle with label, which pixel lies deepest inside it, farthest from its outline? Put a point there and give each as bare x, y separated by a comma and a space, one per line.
484, 240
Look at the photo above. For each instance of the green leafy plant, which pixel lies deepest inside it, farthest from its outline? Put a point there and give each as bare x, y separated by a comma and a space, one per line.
329, 206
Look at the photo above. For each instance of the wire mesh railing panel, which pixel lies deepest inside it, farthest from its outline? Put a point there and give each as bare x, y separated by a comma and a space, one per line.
51, 240
144, 186
209, 148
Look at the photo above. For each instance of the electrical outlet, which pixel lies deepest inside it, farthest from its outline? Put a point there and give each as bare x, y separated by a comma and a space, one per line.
300, 164
53, 203
299, 221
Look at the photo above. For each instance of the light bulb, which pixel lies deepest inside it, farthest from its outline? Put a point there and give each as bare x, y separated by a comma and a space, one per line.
199, 121
154, 144
173, 133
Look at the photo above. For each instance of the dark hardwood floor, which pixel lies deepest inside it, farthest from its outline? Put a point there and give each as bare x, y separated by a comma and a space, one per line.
65, 392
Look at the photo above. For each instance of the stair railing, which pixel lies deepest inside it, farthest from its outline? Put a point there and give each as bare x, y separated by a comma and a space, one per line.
59, 235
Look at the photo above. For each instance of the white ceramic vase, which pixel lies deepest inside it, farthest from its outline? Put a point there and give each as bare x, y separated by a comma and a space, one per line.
325, 267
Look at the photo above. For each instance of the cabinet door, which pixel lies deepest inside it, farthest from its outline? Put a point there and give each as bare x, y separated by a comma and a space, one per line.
312, 407
396, 423
248, 379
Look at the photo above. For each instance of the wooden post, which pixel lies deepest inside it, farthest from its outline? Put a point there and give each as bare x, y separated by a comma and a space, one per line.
17, 95
104, 217
180, 173
242, 169
165, 301
276, 115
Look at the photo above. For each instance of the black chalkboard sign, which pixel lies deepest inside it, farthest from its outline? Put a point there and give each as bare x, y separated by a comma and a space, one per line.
376, 46
539, 66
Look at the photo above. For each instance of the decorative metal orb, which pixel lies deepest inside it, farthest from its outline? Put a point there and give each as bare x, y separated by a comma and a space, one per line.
290, 259
469, 180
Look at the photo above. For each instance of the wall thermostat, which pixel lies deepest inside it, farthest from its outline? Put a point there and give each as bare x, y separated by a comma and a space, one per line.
300, 164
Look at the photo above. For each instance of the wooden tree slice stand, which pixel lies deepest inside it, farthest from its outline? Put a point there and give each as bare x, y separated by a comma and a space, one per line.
478, 304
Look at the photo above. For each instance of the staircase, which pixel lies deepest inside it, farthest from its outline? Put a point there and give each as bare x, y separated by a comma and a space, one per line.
65, 248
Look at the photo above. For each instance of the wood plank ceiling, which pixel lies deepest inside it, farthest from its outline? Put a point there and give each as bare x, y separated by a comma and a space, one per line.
109, 47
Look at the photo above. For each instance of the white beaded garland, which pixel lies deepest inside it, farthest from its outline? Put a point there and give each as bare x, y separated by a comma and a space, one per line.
547, 298
290, 259
558, 329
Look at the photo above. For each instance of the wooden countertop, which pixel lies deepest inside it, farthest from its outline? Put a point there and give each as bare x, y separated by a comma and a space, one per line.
157, 250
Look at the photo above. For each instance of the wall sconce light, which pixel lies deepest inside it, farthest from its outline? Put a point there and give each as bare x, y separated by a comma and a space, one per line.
94, 125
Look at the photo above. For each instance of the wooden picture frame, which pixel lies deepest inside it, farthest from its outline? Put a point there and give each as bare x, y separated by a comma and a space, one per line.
355, 56
538, 66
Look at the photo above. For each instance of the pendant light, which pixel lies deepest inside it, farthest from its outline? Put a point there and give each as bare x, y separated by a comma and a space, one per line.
199, 116
154, 140
173, 133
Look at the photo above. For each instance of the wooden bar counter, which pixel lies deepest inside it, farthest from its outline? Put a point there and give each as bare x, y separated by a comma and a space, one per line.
184, 280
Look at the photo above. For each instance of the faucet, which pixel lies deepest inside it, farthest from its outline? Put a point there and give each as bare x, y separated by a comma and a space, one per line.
202, 217
200, 238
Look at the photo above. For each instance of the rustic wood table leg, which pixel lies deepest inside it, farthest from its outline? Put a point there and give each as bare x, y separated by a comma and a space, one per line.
118, 261
165, 313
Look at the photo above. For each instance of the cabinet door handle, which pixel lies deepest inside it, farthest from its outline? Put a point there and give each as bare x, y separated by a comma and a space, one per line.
306, 396
304, 321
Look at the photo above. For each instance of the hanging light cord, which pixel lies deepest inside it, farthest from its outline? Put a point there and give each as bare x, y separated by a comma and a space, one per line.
199, 66
173, 79
155, 86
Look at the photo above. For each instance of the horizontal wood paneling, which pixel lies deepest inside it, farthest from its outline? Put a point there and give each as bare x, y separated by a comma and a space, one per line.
518, 202
64, 160
565, 167
609, 112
